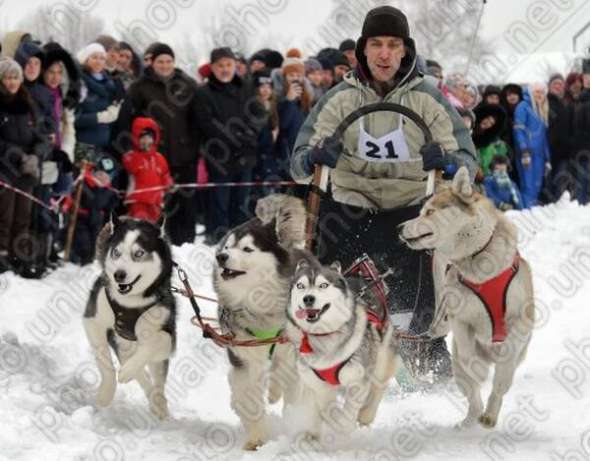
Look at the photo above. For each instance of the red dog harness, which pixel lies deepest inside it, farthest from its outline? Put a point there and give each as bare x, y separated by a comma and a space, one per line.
492, 293
331, 375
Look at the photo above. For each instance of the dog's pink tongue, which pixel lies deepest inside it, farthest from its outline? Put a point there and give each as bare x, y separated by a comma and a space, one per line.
301, 314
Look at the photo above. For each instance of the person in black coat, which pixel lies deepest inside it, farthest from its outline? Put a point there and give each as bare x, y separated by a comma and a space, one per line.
229, 118
582, 139
168, 95
560, 131
32, 60
22, 149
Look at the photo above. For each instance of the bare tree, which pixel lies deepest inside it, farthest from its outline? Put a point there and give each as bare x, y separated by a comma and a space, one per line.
63, 23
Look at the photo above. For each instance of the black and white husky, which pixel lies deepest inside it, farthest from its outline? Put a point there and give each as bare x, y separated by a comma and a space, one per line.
131, 309
255, 264
343, 348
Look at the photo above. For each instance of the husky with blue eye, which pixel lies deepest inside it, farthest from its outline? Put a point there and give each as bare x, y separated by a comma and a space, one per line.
343, 348
131, 310
254, 266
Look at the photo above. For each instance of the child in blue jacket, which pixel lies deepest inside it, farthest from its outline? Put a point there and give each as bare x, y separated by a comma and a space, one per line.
500, 188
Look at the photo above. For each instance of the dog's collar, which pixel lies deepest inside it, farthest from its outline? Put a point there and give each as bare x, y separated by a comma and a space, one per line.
305, 346
480, 251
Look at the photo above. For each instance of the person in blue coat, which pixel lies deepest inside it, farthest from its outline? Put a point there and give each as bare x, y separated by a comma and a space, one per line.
499, 188
99, 105
533, 156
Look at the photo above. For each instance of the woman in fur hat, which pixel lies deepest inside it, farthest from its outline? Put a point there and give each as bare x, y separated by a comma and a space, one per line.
489, 125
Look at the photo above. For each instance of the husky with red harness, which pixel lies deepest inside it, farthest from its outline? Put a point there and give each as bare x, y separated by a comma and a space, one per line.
487, 298
344, 345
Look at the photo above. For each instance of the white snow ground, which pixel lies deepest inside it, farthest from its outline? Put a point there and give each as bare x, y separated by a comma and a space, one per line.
48, 377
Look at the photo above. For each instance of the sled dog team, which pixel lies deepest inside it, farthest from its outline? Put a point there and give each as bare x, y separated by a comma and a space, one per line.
339, 358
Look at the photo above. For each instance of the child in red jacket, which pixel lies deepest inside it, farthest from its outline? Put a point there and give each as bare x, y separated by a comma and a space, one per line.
147, 168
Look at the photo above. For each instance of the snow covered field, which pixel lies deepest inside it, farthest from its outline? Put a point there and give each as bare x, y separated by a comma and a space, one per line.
48, 377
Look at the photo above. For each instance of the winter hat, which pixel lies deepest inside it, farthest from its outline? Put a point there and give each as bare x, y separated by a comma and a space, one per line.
326, 63
259, 56
312, 65
161, 48
293, 65
9, 66
432, 66
220, 53
385, 21
205, 70
26, 51
339, 59
556, 76
347, 45
482, 111
150, 49
294, 53
88, 51
274, 59
261, 77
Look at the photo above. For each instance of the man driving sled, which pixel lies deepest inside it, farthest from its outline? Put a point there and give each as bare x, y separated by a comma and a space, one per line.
379, 168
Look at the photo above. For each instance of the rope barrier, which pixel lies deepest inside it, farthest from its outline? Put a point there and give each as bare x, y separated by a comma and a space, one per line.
54, 207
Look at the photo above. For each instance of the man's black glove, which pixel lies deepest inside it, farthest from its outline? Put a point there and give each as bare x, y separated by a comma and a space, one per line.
326, 153
433, 157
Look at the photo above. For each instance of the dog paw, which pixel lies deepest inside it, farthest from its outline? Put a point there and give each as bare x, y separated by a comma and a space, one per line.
468, 422
106, 394
159, 405
487, 421
252, 445
160, 411
127, 373
366, 416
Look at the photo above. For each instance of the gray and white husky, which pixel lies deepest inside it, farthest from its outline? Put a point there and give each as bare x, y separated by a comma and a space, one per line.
255, 264
486, 296
132, 310
343, 348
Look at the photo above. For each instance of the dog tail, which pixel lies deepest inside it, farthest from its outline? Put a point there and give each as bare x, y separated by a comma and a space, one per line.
289, 216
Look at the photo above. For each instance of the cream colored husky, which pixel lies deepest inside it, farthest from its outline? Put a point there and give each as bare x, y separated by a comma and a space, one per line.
487, 296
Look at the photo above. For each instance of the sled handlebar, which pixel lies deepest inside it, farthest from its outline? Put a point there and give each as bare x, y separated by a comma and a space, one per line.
320, 177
